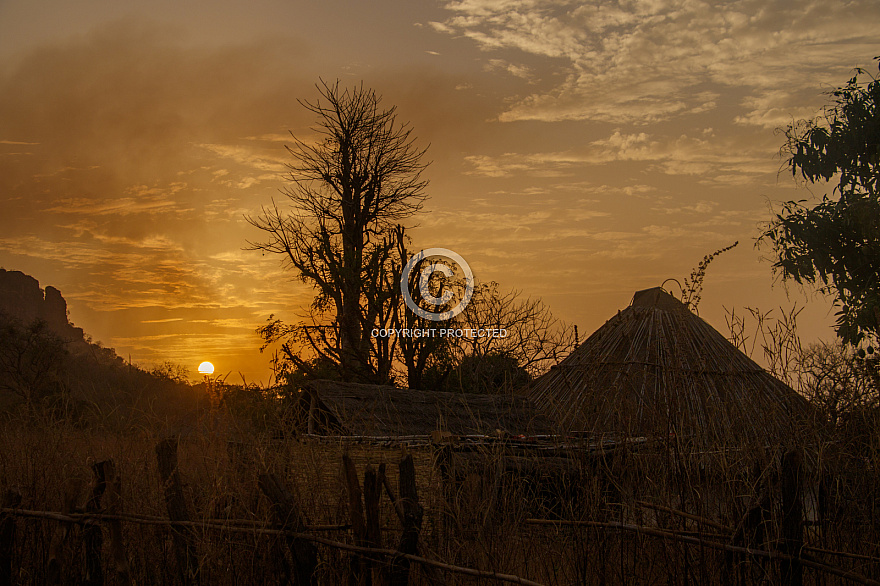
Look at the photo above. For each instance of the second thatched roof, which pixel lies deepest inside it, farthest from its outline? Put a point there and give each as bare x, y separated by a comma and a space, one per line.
657, 369
337, 408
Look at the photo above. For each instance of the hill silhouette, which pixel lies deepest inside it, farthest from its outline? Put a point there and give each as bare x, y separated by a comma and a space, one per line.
22, 298
48, 365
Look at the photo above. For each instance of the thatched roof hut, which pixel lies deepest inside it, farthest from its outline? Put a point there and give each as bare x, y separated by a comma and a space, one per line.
656, 369
336, 408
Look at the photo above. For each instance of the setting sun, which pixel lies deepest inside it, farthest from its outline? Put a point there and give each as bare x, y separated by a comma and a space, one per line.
206, 368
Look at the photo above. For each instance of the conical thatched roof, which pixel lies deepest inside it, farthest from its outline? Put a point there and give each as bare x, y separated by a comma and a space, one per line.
655, 369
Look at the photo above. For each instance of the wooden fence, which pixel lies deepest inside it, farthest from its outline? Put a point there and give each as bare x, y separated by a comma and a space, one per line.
101, 518
102, 512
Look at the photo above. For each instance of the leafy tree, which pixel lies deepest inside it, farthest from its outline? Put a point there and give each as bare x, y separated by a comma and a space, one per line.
349, 191
841, 383
836, 243
530, 341
31, 357
497, 373
168, 370
294, 378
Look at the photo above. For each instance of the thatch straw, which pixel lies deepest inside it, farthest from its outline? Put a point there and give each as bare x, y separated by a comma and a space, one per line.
360, 409
656, 369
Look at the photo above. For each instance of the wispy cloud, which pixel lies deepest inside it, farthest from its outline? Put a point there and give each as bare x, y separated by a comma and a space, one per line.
249, 157
642, 62
516, 70
708, 157
535, 165
142, 200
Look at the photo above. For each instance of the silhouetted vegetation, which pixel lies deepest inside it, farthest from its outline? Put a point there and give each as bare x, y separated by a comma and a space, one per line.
47, 377
835, 244
348, 191
31, 357
488, 373
227, 484
342, 235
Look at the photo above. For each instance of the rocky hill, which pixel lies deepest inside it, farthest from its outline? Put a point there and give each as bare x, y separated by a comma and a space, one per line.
65, 375
22, 298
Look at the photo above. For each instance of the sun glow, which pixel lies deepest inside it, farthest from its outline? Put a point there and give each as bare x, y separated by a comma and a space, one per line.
206, 368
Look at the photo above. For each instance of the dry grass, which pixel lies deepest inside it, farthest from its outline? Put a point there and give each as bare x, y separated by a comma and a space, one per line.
625, 515
479, 519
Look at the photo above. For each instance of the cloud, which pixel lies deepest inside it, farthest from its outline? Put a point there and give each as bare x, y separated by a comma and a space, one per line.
521, 71
731, 159
701, 207
152, 149
650, 242
271, 137
254, 159
645, 62
119, 273
145, 201
535, 165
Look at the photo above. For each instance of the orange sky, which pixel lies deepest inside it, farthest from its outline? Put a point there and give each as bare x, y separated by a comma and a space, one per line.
580, 150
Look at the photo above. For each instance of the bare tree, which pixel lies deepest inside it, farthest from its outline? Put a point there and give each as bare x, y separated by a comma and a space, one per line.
516, 339
426, 359
349, 192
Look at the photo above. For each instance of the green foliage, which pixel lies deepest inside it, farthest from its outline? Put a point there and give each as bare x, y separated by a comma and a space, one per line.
836, 243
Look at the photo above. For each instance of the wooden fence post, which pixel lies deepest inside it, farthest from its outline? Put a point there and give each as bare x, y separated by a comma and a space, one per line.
113, 506
372, 492
55, 565
11, 500
412, 521
792, 518
749, 533
372, 487
287, 515
356, 511
184, 549
93, 539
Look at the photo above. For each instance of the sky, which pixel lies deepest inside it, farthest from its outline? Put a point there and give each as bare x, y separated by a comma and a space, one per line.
579, 151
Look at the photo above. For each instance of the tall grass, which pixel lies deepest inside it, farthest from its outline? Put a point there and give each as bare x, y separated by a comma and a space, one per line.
482, 514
